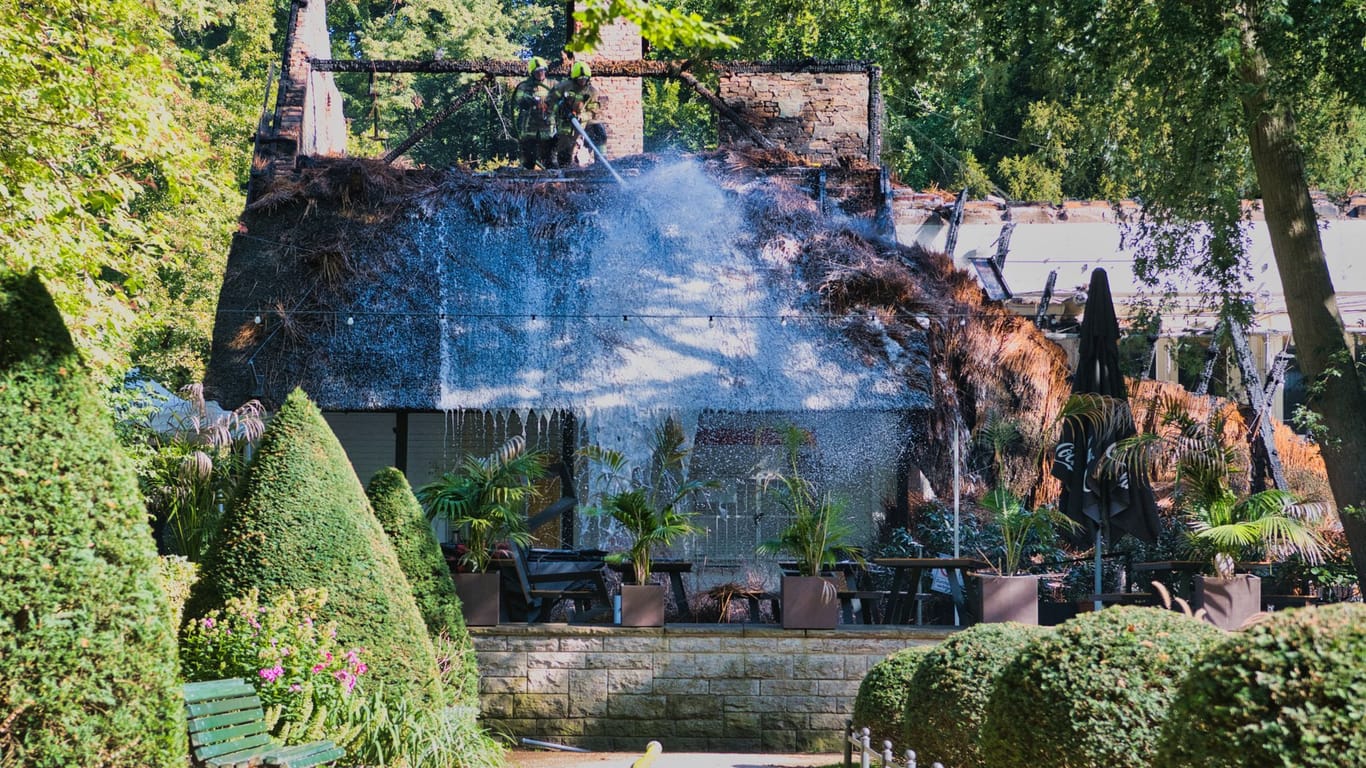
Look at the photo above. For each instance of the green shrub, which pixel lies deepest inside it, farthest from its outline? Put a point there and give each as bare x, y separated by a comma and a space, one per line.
178, 575
946, 700
301, 521
441, 737
302, 674
1290, 691
401, 516
881, 698
1093, 693
87, 658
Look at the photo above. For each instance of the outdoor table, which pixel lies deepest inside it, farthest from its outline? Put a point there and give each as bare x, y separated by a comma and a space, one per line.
907, 573
1183, 574
673, 568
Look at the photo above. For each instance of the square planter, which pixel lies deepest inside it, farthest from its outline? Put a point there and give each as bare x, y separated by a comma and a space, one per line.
1008, 598
809, 602
478, 593
1228, 603
642, 605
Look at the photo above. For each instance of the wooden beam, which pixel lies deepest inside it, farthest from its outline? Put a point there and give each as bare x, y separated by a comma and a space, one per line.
723, 109
955, 221
604, 67
1260, 429
1046, 298
460, 100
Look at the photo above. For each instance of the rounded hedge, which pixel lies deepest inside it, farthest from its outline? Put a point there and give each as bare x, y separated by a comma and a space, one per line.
1290, 691
947, 698
87, 653
1094, 692
301, 521
881, 699
401, 516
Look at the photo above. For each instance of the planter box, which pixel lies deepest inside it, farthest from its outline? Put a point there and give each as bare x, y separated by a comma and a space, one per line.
1008, 598
478, 593
809, 602
1228, 603
642, 605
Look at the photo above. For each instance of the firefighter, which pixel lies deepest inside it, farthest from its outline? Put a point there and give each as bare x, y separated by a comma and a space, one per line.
535, 119
576, 98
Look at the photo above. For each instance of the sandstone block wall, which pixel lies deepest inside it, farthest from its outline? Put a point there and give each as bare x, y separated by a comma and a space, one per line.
726, 688
819, 116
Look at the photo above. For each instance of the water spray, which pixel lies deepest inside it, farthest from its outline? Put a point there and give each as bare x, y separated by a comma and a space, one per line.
574, 121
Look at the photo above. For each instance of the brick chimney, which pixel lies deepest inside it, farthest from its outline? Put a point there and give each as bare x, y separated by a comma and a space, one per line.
620, 97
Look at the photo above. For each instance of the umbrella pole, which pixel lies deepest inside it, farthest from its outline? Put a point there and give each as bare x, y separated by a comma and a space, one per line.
1098, 604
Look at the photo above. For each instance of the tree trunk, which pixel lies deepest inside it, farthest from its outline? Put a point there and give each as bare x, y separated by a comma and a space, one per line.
1320, 342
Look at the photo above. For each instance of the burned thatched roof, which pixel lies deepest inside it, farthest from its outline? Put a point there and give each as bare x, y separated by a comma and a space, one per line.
709, 282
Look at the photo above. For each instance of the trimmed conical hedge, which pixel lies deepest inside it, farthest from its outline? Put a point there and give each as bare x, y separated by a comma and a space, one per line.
301, 520
401, 516
87, 658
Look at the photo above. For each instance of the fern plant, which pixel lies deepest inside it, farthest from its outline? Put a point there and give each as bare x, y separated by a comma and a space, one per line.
486, 499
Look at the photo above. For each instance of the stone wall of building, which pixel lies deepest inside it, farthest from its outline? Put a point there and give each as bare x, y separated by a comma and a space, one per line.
621, 101
727, 687
820, 116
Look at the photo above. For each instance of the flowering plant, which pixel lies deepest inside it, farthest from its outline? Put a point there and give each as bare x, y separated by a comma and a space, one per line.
294, 660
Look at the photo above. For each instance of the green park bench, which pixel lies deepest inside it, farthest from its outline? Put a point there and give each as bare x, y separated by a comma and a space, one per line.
228, 730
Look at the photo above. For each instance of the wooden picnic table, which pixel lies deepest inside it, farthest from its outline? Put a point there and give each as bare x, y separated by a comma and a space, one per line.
907, 573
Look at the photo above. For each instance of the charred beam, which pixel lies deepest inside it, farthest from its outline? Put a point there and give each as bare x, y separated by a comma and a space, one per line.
1046, 298
605, 67
459, 101
724, 109
1260, 429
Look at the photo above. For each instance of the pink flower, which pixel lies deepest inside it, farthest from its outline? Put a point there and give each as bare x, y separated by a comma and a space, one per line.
361, 668
318, 668
272, 674
208, 623
295, 688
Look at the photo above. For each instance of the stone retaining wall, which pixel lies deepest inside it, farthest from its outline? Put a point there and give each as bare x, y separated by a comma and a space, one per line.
727, 687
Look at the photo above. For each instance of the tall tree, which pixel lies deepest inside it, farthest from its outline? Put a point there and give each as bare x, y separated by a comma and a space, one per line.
1206, 98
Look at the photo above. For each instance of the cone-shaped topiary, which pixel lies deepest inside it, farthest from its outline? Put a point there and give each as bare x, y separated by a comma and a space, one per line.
881, 699
946, 700
1288, 691
401, 516
301, 520
87, 658
1094, 692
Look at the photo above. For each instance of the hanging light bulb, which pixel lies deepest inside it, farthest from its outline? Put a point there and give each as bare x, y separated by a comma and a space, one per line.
258, 320
350, 320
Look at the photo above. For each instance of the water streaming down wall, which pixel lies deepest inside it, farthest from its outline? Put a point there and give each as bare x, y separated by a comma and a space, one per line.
660, 301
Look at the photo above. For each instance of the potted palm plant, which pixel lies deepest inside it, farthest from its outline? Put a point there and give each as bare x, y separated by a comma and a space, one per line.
648, 508
485, 502
1224, 525
817, 537
1007, 593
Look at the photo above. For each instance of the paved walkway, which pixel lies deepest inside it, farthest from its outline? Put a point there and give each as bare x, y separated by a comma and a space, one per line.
544, 759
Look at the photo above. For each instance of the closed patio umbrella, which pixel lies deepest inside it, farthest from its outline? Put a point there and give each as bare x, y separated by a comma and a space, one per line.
1105, 501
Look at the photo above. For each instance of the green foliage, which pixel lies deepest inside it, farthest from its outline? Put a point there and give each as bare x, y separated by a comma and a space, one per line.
1094, 691
99, 162
300, 671
395, 731
301, 521
420, 558
664, 27
1223, 525
817, 534
178, 576
1286, 692
1021, 528
675, 120
87, 658
946, 699
486, 500
880, 703
791, 30
647, 510
1027, 178
193, 468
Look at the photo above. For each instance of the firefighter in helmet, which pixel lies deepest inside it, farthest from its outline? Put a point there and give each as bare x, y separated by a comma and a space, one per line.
533, 98
576, 98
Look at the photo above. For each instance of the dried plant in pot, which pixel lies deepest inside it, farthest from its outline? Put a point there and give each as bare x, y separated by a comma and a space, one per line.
648, 508
817, 537
485, 504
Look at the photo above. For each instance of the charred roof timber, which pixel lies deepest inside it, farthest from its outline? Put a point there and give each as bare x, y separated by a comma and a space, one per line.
601, 67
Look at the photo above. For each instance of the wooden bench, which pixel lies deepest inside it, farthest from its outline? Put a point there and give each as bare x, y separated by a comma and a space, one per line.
228, 730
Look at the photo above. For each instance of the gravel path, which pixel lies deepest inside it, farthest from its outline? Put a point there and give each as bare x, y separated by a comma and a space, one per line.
545, 759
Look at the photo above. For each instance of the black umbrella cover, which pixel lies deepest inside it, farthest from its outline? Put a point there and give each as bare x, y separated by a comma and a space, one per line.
1115, 500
